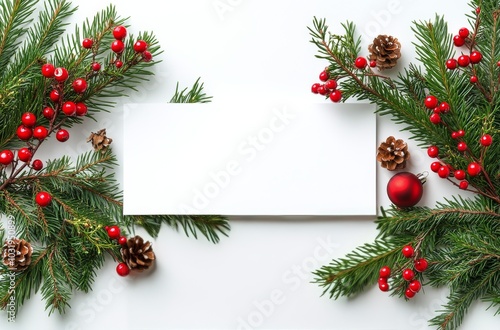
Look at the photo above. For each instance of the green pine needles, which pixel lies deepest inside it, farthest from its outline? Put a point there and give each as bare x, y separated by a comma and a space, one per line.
459, 238
67, 231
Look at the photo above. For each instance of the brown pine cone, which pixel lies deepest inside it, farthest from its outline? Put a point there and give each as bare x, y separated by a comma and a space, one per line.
393, 154
16, 254
99, 140
385, 51
137, 254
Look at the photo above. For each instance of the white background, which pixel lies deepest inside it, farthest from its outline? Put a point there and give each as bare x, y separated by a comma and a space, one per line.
260, 275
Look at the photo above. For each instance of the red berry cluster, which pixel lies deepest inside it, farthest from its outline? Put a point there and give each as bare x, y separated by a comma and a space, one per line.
118, 46
114, 233
465, 60
408, 274
328, 88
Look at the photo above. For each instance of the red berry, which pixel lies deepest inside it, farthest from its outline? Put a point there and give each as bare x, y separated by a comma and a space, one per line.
336, 96
433, 151
140, 46
61, 74
474, 169
24, 133
408, 274
48, 113
435, 118
462, 146
69, 108
385, 272
463, 32
96, 66
6, 157
473, 79
463, 185
331, 84
421, 265
409, 293
408, 251
40, 132
384, 287
431, 102
475, 57
114, 232
28, 119
435, 166
454, 135
119, 32
24, 155
324, 76
458, 40
486, 140
314, 88
54, 95
459, 174
118, 64
81, 109
147, 56
463, 60
43, 198
451, 64
444, 172
415, 286
48, 70
79, 85
382, 280
373, 64
478, 10
37, 164
444, 107
62, 135
360, 62
122, 269
322, 90
461, 133
117, 46
87, 43
122, 240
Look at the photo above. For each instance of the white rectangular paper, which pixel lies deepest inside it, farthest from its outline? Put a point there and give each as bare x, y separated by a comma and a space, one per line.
250, 159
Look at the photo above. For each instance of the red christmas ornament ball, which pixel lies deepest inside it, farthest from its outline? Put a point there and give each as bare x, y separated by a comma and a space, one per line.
405, 189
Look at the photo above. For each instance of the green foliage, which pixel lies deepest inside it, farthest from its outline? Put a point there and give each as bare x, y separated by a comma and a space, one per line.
459, 237
194, 95
68, 236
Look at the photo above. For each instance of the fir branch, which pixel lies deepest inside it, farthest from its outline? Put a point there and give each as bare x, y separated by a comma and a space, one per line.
195, 94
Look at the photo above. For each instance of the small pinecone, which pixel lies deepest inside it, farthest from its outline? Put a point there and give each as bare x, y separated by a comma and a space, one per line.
138, 254
385, 51
393, 154
99, 140
16, 254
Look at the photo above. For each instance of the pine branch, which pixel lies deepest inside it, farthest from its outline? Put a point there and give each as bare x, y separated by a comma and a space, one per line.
194, 95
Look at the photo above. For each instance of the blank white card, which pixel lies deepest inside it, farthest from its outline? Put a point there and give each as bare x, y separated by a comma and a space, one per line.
263, 158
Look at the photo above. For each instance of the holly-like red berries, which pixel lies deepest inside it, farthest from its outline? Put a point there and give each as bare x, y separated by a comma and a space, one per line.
24, 133
462, 146
28, 119
451, 64
463, 32
486, 140
435, 118
37, 164
408, 251
458, 40
62, 135
48, 70
421, 265
408, 274
122, 269
360, 62
117, 46
96, 66
120, 32
431, 102
147, 56
336, 96
473, 79
433, 151
48, 113
140, 46
475, 57
409, 293
459, 174
43, 198
114, 232
24, 155
87, 43
385, 271
6, 157
122, 240
79, 85
40, 132
61, 74
435, 166
474, 169
463, 185
415, 286
443, 172
54, 96
81, 109
324, 76
463, 60
444, 107
331, 84
69, 108
118, 64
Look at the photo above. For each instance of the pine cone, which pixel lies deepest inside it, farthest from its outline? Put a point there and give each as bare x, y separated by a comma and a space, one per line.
393, 154
16, 254
137, 254
385, 51
99, 140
